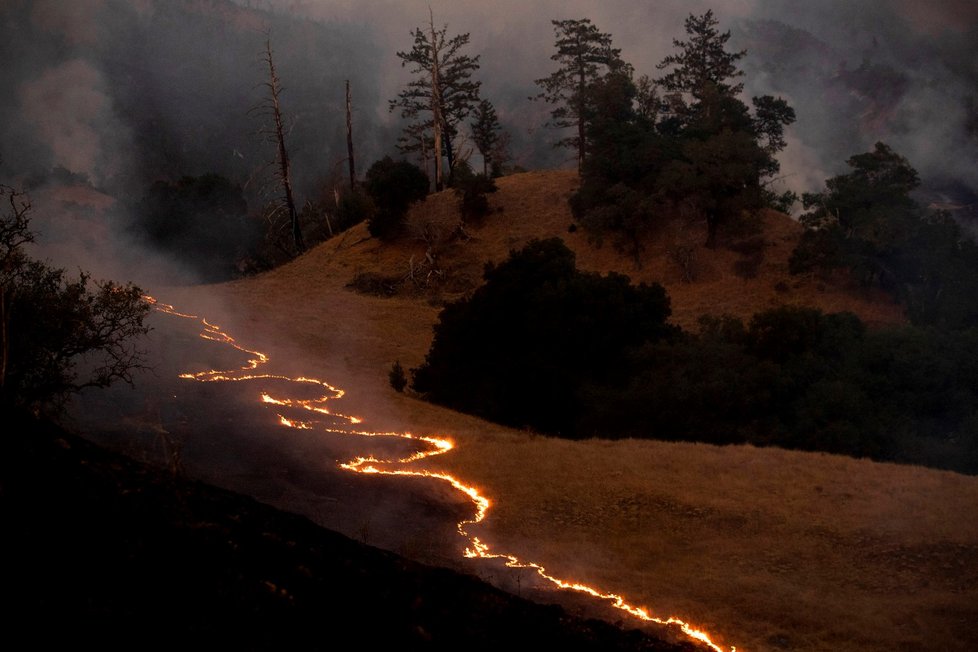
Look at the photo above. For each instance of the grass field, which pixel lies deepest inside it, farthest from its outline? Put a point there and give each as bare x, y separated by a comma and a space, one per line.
769, 549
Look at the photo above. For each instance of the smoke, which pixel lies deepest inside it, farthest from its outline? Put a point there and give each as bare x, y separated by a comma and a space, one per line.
856, 73
72, 117
119, 94
939, 17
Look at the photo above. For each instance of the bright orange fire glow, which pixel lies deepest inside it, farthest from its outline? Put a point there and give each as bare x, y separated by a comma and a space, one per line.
476, 548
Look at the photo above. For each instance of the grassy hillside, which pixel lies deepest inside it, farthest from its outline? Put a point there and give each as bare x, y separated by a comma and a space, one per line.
769, 549
527, 206
534, 205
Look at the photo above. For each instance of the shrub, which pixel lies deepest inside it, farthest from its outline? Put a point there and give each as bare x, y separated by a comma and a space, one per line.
518, 350
355, 206
397, 377
53, 326
378, 285
393, 186
473, 191
747, 268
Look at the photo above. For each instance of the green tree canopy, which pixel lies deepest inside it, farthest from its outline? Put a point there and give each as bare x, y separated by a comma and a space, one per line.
687, 140
701, 68
485, 134
726, 154
520, 348
867, 222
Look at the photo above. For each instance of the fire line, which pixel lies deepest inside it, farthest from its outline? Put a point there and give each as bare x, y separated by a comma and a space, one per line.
476, 548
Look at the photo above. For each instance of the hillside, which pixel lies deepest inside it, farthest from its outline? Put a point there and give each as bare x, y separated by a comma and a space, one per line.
534, 205
261, 456
527, 206
769, 549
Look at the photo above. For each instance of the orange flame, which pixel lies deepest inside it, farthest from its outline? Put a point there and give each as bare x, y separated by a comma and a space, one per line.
476, 548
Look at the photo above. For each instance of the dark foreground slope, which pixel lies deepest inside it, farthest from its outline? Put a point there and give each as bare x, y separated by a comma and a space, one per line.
99, 549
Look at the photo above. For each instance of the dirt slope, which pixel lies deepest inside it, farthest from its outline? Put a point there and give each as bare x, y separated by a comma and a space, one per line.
772, 550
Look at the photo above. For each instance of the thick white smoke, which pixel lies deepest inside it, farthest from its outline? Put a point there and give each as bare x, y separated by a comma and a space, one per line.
72, 116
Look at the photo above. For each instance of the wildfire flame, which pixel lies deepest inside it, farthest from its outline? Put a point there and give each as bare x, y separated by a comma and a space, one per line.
476, 548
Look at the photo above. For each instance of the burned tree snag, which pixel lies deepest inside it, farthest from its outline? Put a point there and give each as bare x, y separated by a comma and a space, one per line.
349, 137
284, 169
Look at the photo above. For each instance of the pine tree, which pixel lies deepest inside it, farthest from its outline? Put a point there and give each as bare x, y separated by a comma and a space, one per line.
485, 133
726, 153
585, 55
273, 108
702, 68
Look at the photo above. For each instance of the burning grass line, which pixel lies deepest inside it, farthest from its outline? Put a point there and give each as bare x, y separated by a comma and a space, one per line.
476, 548
480, 550
166, 308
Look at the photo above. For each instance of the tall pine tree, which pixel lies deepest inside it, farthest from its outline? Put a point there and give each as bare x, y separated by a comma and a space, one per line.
585, 55
726, 153
701, 69
485, 134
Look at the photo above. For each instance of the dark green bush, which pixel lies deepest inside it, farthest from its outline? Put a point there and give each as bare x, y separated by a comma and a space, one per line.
520, 348
397, 377
354, 206
393, 186
473, 191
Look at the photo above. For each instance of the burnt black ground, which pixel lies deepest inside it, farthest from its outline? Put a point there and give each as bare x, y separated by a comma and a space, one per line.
227, 437
99, 549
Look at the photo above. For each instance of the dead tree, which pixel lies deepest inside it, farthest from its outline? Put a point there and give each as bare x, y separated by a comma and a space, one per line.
272, 108
14, 234
349, 137
440, 96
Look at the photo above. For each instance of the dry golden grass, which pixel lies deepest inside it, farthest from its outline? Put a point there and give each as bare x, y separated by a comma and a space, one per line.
770, 549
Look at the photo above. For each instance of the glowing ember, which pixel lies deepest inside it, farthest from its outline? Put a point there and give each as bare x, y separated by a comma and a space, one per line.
476, 548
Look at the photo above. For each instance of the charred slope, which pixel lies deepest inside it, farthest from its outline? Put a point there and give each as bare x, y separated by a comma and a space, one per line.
101, 549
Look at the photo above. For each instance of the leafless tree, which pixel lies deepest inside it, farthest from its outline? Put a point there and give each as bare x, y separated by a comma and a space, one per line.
271, 109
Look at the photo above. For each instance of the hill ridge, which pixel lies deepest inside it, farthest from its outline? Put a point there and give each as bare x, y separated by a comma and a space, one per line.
534, 205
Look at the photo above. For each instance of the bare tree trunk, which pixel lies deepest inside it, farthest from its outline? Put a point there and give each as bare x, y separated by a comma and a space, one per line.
581, 86
285, 172
349, 136
424, 153
449, 152
436, 108
5, 350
